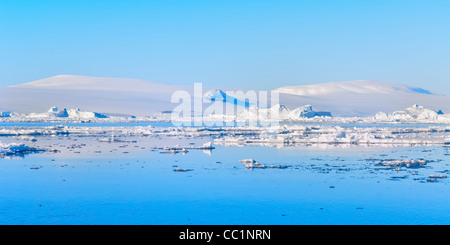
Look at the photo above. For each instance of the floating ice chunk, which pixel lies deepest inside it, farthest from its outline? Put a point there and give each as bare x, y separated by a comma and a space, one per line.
441, 176
182, 170
250, 163
14, 148
279, 166
404, 163
247, 161
174, 151
254, 165
28, 138
111, 139
206, 146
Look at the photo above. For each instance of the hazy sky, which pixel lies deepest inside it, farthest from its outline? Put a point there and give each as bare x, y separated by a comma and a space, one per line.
224, 43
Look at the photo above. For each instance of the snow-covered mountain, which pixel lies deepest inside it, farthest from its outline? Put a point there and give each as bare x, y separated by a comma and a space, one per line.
355, 87
100, 94
361, 98
73, 82
144, 98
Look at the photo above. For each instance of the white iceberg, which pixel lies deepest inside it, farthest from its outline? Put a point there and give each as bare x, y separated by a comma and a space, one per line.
14, 148
77, 113
415, 112
307, 112
54, 113
281, 112
51, 113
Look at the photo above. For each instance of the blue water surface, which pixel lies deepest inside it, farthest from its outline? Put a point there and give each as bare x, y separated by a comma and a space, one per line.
330, 185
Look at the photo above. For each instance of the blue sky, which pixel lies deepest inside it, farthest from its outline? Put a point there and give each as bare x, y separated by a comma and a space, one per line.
235, 44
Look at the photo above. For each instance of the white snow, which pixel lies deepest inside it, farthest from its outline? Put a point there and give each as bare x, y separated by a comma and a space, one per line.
413, 113
13, 148
89, 83
247, 161
276, 136
360, 98
108, 96
404, 163
54, 112
279, 112
99, 94
306, 111
357, 87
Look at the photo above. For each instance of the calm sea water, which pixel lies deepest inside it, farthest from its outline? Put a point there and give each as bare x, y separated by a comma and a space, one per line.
135, 185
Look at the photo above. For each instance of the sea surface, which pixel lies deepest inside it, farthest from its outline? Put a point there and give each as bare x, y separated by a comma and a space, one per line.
92, 182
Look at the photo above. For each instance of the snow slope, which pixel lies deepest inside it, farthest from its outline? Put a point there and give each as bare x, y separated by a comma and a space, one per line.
361, 98
73, 82
356, 87
144, 98
103, 95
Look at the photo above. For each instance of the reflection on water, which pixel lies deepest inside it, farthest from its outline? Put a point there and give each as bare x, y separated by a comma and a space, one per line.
86, 181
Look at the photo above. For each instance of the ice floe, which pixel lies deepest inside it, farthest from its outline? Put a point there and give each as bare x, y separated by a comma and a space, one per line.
15, 148
252, 164
404, 163
248, 135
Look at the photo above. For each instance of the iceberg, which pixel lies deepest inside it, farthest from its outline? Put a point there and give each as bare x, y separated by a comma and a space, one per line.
55, 113
307, 112
416, 112
51, 113
14, 148
282, 112
77, 113
404, 163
